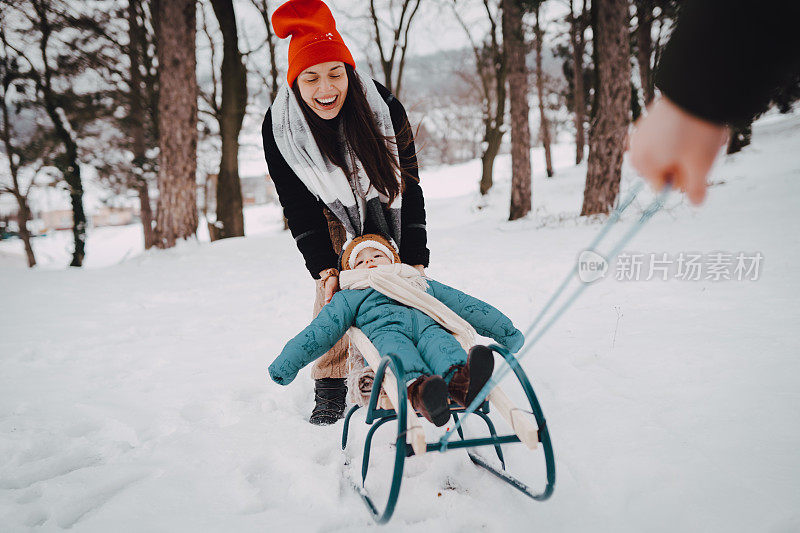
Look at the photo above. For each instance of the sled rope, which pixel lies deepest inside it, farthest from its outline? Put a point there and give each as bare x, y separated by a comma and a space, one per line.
649, 211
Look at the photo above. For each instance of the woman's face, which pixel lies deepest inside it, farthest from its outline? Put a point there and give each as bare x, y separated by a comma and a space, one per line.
324, 88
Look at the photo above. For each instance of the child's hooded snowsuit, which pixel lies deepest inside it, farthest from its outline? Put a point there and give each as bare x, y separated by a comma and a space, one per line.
423, 346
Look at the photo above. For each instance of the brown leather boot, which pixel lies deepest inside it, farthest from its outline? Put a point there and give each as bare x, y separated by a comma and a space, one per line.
469, 379
459, 385
428, 395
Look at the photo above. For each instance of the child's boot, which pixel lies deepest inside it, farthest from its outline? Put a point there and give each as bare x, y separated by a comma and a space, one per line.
428, 395
330, 398
469, 379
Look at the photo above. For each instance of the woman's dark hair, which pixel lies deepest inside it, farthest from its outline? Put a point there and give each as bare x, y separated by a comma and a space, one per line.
362, 135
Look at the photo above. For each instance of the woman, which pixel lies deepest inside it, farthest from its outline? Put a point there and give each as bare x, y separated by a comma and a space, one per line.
340, 152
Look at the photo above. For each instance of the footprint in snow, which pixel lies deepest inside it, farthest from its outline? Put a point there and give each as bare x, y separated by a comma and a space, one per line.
30, 495
88, 502
46, 468
36, 518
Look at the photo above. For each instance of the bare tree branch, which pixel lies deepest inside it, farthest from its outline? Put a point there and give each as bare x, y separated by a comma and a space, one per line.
210, 99
405, 47
399, 32
263, 8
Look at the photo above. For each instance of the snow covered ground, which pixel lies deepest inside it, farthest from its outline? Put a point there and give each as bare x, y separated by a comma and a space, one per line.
134, 397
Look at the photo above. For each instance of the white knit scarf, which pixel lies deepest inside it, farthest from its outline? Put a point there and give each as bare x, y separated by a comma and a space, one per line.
405, 284
351, 201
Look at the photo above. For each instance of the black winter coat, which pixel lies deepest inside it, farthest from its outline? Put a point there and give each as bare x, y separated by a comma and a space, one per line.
304, 212
726, 57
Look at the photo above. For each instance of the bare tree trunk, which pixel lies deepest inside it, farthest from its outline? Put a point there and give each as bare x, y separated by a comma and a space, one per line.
23, 216
137, 118
146, 215
491, 69
151, 68
230, 220
544, 123
176, 216
72, 175
68, 165
613, 98
576, 33
492, 139
23, 211
495, 118
644, 14
514, 50
12, 156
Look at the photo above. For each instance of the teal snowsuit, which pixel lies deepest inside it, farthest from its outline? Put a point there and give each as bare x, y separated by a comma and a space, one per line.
421, 343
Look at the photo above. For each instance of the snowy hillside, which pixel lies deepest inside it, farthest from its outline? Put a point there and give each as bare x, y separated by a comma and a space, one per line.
135, 397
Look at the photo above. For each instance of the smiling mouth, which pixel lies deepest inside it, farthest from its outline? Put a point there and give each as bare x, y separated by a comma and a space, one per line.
327, 103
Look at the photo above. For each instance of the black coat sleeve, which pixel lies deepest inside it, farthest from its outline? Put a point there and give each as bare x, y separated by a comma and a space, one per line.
413, 232
302, 210
726, 57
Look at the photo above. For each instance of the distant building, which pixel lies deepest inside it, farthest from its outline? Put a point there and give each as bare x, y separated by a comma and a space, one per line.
113, 216
257, 190
56, 219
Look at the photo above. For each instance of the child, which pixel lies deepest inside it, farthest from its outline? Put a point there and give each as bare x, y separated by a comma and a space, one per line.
402, 313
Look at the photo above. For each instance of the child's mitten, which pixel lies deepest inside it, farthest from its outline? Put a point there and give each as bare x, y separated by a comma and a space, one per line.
283, 371
514, 341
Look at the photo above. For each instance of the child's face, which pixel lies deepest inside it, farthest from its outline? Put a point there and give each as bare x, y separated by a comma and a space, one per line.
370, 258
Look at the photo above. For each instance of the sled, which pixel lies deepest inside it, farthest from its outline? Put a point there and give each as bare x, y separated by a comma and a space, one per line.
411, 440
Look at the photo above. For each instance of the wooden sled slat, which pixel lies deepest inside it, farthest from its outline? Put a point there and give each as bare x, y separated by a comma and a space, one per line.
415, 435
519, 420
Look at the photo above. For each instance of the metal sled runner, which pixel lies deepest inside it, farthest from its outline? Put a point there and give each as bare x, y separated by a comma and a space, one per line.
410, 439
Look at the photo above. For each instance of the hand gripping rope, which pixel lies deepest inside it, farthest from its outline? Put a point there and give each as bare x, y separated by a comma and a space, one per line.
649, 211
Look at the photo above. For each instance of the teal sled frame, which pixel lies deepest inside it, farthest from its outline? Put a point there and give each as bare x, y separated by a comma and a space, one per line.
377, 417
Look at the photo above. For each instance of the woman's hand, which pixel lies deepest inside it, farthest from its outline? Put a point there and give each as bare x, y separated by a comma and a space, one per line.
330, 284
670, 145
420, 268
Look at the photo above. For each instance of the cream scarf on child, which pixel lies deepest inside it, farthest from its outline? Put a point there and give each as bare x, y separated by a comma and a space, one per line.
405, 284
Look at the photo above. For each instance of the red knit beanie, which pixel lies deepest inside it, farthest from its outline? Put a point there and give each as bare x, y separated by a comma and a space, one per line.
314, 36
